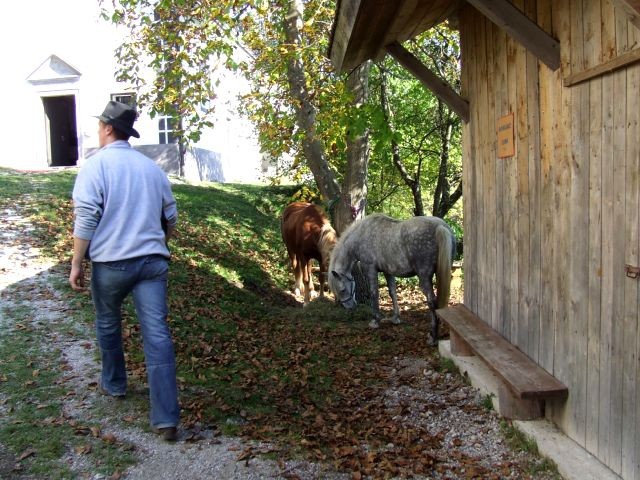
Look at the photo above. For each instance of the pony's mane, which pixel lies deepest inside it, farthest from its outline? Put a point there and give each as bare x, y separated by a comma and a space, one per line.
327, 241
344, 245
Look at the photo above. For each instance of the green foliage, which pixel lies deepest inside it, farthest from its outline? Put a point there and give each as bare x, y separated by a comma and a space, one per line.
487, 401
448, 366
271, 104
184, 43
425, 130
187, 43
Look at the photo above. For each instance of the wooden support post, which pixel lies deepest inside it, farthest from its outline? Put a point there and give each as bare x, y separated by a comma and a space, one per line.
438, 86
632, 9
459, 347
516, 408
622, 61
519, 27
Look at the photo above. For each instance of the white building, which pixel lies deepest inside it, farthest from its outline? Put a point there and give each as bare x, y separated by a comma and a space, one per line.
58, 74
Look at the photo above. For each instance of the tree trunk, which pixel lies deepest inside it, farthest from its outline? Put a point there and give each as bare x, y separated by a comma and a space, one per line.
354, 189
348, 203
305, 110
443, 199
182, 149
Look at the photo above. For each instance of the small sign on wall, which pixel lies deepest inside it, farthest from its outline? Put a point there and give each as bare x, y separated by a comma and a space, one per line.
506, 144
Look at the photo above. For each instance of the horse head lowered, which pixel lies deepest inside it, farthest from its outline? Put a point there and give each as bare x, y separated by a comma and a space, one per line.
419, 246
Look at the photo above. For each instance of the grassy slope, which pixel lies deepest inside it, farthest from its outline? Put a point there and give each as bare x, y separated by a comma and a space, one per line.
251, 361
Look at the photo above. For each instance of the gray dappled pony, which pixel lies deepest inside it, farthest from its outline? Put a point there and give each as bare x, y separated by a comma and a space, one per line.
421, 246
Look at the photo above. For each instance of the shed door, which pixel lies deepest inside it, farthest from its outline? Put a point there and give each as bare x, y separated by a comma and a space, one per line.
62, 135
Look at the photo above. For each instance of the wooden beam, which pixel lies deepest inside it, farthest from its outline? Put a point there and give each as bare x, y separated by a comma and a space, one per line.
617, 63
522, 29
631, 8
345, 19
434, 83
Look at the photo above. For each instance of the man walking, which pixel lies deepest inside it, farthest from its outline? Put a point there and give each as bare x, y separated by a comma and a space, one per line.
119, 199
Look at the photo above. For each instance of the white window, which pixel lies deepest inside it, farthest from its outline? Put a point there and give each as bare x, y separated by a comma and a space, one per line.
166, 133
126, 98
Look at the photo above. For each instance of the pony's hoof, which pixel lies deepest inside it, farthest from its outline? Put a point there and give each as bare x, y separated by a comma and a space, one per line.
431, 342
313, 294
373, 324
394, 320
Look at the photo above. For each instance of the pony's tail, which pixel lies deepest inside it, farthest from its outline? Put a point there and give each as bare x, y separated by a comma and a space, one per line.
446, 246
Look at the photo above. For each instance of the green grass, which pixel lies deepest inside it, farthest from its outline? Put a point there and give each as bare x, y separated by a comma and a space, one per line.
487, 401
34, 427
448, 366
519, 441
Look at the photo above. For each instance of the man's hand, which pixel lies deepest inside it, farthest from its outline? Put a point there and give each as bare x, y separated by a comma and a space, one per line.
169, 233
76, 277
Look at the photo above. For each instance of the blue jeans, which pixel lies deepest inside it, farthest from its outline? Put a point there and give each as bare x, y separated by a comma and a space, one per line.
146, 279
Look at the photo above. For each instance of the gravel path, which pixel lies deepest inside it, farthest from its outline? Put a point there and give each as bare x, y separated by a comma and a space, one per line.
442, 404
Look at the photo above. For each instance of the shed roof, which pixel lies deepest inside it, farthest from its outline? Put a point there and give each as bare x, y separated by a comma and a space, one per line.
363, 28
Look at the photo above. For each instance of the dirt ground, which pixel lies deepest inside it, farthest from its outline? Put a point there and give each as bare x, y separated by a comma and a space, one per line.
442, 404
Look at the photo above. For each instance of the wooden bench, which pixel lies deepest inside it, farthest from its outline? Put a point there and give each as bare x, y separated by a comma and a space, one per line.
524, 385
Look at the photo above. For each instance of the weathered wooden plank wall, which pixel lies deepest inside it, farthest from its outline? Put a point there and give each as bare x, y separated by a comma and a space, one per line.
548, 232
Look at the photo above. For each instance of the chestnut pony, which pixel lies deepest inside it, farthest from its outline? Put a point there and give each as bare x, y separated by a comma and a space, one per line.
308, 235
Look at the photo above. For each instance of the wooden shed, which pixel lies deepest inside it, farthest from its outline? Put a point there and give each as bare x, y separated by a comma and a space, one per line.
551, 175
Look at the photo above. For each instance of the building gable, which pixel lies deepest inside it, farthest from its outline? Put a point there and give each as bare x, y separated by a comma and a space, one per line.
53, 70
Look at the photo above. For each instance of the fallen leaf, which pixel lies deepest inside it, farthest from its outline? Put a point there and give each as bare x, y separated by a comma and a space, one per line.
27, 453
83, 449
82, 430
109, 438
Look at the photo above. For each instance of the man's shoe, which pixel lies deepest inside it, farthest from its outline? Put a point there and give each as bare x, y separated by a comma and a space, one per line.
104, 392
168, 434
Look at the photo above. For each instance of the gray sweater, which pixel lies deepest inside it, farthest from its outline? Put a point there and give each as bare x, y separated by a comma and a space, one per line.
119, 197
